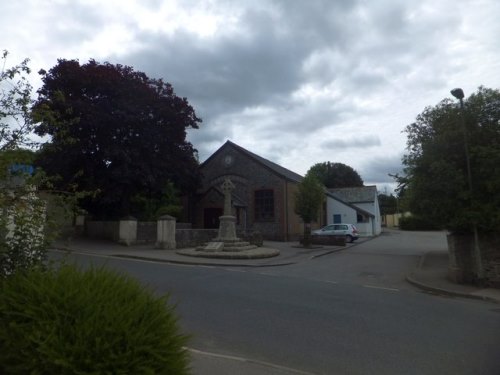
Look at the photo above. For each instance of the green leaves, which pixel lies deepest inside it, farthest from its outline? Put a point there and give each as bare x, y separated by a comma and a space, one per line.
436, 177
15, 105
22, 214
116, 131
336, 175
308, 198
69, 321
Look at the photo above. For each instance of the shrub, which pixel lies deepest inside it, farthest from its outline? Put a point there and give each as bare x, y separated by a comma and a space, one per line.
416, 223
23, 232
69, 321
172, 210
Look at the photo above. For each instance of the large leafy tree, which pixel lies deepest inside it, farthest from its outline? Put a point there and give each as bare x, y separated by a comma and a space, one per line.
308, 199
114, 132
15, 104
336, 175
435, 179
388, 204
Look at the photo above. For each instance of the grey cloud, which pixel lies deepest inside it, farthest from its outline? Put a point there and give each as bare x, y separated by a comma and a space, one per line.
377, 170
264, 62
73, 24
260, 65
228, 74
358, 48
354, 141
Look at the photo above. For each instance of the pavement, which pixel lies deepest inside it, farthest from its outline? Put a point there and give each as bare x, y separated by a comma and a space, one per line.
289, 253
429, 275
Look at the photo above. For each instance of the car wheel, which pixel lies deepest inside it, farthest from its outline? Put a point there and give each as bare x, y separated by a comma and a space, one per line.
348, 239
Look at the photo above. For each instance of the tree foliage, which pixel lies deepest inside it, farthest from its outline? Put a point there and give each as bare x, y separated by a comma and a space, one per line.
15, 104
309, 197
388, 204
24, 234
115, 132
308, 200
336, 175
435, 182
23, 226
150, 209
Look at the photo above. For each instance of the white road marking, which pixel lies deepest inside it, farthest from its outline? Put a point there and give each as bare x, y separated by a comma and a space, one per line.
241, 359
381, 287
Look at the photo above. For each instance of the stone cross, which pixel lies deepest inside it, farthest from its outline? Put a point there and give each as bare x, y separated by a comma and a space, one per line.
227, 187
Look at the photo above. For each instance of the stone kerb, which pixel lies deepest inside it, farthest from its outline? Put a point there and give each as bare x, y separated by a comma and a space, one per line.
127, 231
165, 238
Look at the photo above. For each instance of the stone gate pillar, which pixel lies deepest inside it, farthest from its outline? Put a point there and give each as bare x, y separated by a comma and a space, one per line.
165, 238
127, 232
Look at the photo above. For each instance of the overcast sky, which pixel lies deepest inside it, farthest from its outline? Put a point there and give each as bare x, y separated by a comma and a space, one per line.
296, 81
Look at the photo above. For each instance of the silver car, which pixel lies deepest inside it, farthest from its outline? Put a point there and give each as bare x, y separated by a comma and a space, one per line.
348, 230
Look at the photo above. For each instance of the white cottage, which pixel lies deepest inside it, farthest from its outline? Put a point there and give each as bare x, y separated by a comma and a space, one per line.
358, 206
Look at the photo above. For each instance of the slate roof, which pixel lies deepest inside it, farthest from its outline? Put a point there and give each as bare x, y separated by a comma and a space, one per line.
356, 208
278, 169
356, 194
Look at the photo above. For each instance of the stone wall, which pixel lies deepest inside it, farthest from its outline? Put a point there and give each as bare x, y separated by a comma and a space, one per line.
490, 247
326, 240
194, 237
146, 231
183, 225
254, 237
105, 230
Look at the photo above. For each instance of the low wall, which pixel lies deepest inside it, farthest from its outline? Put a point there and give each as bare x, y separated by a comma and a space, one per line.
326, 240
193, 237
254, 237
147, 233
490, 248
105, 230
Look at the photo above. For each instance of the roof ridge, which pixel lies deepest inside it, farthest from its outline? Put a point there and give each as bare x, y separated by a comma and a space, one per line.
285, 172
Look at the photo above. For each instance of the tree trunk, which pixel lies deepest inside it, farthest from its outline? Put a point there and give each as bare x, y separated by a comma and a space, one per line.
307, 234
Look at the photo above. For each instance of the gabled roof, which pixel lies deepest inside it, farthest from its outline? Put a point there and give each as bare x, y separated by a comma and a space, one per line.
356, 194
277, 169
356, 208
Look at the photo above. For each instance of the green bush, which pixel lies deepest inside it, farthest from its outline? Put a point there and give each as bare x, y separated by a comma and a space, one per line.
23, 231
416, 223
171, 209
69, 321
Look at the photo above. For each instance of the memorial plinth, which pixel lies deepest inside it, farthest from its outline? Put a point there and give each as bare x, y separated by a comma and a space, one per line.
227, 244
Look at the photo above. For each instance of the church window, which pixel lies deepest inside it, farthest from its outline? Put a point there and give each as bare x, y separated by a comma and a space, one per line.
264, 205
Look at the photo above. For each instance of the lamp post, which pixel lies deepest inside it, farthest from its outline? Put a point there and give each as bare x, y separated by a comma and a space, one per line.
459, 94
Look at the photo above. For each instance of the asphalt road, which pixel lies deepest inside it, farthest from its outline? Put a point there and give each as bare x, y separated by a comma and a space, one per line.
383, 261
344, 313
